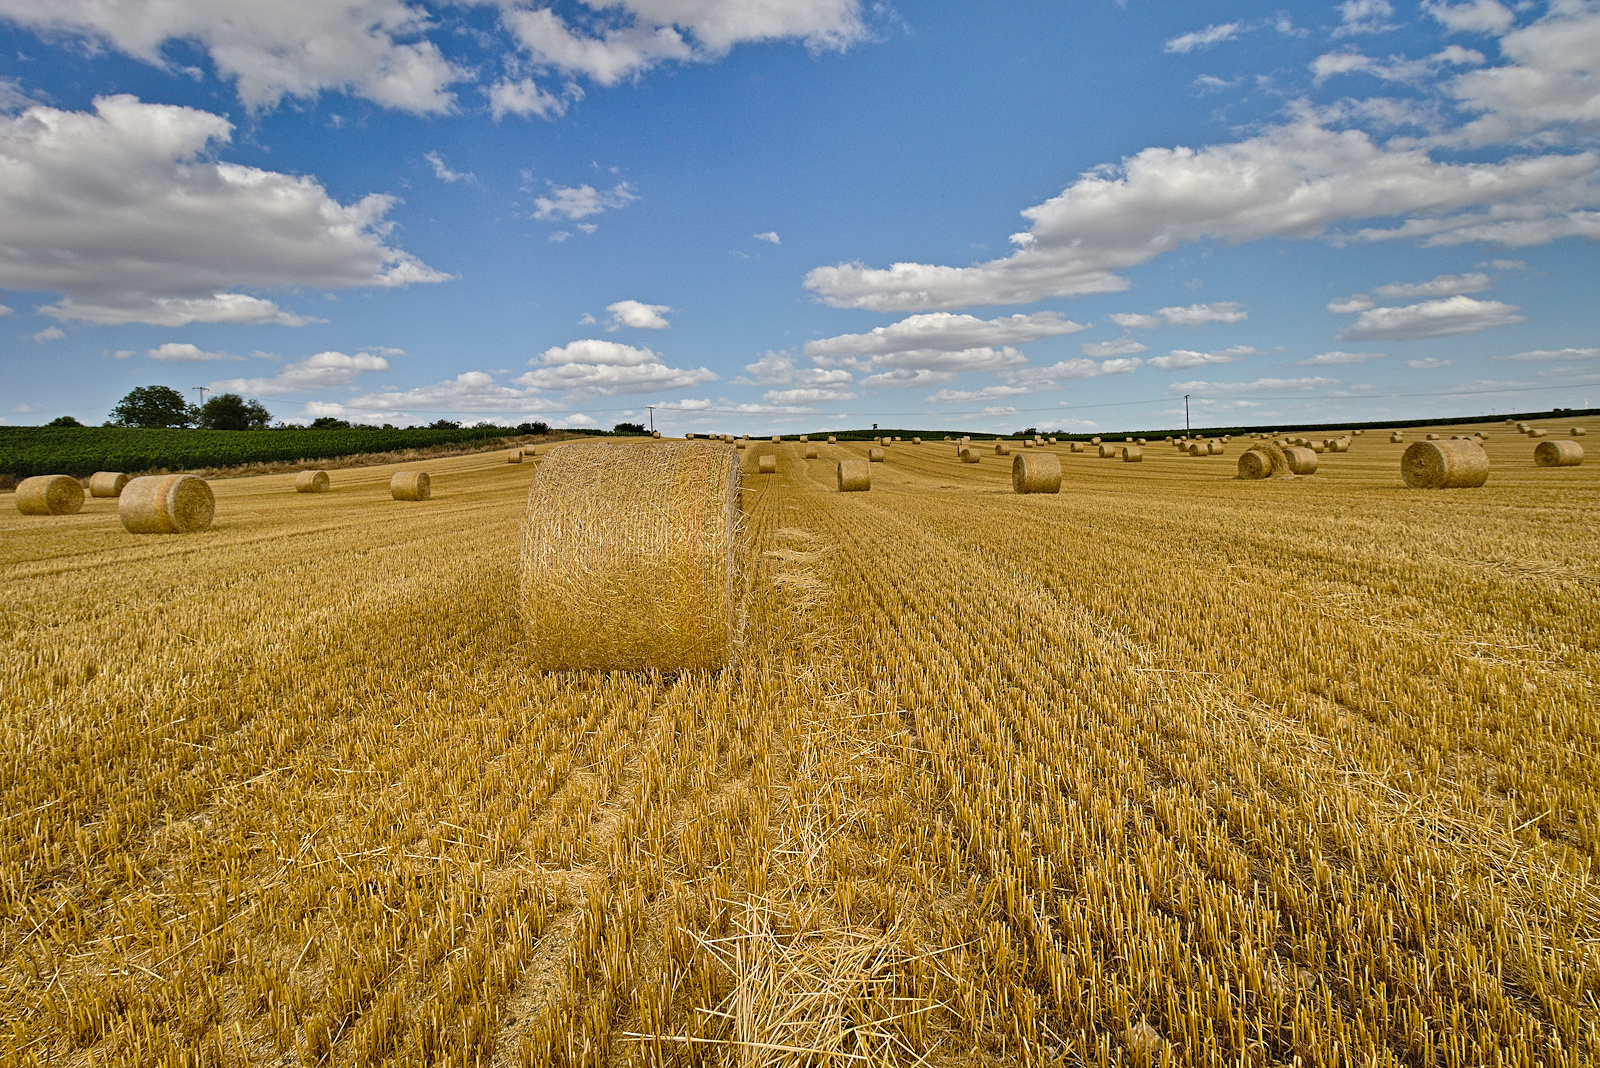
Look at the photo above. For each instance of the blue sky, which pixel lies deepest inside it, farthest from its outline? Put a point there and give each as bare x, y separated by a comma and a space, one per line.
793, 214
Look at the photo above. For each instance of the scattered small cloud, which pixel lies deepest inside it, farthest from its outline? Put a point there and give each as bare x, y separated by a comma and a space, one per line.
1428, 363
1214, 34
1260, 385
770, 236
49, 333
443, 172
593, 366
637, 316
575, 202
1226, 311
1337, 357
1433, 318
183, 352
1365, 16
1554, 355
1349, 305
587, 320
1445, 285
525, 99
1122, 346
1179, 359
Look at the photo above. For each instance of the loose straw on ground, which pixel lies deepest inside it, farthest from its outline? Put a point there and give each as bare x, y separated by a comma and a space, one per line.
1036, 472
166, 504
1458, 464
49, 495
633, 558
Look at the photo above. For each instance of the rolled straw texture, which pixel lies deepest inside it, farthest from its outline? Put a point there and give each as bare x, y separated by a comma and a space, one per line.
767, 465
1197, 449
1132, 454
1094, 441
1558, 454
166, 504
855, 476
968, 455
410, 486
1460, 464
916, 441
1107, 450
1318, 447
1266, 459
107, 483
1396, 438
832, 440
1301, 460
1076, 446
875, 454
777, 439
1036, 472
1027, 443
804, 438
633, 558
515, 457
1537, 432
314, 481
1578, 432
49, 495
1001, 448
811, 452
1214, 448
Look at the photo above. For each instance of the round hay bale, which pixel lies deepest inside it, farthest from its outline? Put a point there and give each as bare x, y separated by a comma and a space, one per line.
832, 440
1036, 472
968, 455
1301, 460
1444, 465
1052, 441
855, 476
633, 558
897, 437
1142, 443
767, 465
49, 495
804, 438
1214, 448
107, 483
741, 443
1132, 454
916, 441
166, 504
1558, 454
1318, 447
777, 439
875, 454
1396, 438
314, 481
947, 437
1578, 432
1357, 433
688, 435
655, 433
1107, 450
1094, 441
1265, 460
1197, 449
811, 452
1001, 448
1027, 443
514, 458
1537, 432
414, 485
1076, 446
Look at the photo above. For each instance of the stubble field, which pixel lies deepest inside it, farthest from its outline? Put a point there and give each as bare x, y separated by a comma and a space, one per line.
1165, 769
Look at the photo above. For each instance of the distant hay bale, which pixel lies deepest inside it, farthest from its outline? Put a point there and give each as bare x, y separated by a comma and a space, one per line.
804, 438
49, 495
413, 485
897, 437
740, 444
1027, 443
1107, 450
514, 458
1052, 441
1094, 441
1036, 472
314, 481
688, 435
633, 558
947, 437
1433, 437
832, 440
1197, 449
107, 483
1141, 442
1076, 446
1318, 447
1002, 448
967, 454
777, 439
1460, 464
1537, 432
655, 433
1301, 460
855, 476
1578, 432
1396, 438
1558, 454
875, 454
767, 465
1357, 433
1214, 448
166, 504
1132, 454
916, 441
811, 452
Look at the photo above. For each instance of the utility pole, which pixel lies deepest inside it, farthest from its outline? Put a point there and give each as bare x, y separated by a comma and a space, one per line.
652, 410
1186, 415
202, 391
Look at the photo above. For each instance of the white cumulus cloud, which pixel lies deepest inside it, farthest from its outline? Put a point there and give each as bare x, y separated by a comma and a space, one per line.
1445, 285
581, 201
374, 49
1260, 385
1365, 16
184, 352
1122, 346
941, 332
771, 236
1179, 359
442, 171
631, 313
1428, 363
122, 212
1554, 355
607, 368
325, 370
1431, 318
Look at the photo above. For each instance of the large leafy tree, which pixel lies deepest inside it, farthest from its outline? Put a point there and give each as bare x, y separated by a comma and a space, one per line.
229, 411
153, 406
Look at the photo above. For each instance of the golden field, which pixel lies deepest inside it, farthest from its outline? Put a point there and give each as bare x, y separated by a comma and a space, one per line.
1165, 769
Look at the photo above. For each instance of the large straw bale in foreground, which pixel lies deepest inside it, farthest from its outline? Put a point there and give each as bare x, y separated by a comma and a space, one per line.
855, 476
410, 486
49, 495
633, 558
314, 481
1302, 461
1036, 472
107, 483
1558, 454
1265, 459
1458, 464
166, 504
